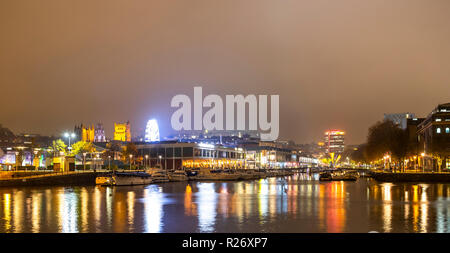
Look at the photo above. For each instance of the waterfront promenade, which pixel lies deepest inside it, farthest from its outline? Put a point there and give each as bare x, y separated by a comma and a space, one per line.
50, 178
74, 178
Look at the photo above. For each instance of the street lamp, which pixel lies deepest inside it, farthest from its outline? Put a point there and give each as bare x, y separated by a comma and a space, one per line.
84, 161
69, 136
109, 162
34, 159
97, 162
17, 154
131, 156
423, 162
146, 160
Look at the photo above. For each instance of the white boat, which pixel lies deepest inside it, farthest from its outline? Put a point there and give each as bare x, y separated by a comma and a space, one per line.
124, 178
178, 175
158, 175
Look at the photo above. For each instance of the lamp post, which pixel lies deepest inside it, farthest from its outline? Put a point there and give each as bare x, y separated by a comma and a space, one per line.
415, 165
146, 161
423, 162
84, 161
34, 159
109, 162
17, 154
131, 156
69, 136
97, 162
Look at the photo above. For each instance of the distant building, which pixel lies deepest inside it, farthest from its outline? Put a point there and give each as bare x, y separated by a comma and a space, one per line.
84, 133
90, 134
400, 119
122, 132
99, 133
216, 136
334, 141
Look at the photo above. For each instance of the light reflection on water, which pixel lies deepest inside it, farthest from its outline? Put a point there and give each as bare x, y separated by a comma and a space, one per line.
299, 203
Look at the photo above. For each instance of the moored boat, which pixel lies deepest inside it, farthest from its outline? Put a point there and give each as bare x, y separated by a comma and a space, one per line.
325, 176
344, 176
124, 178
178, 175
158, 174
219, 175
338, 176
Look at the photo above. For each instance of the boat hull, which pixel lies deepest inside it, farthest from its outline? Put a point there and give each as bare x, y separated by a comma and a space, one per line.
122, 181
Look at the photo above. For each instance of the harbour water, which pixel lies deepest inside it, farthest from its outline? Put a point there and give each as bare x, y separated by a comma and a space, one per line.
295, 204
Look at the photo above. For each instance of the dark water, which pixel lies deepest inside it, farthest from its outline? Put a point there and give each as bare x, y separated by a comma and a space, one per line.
299, 203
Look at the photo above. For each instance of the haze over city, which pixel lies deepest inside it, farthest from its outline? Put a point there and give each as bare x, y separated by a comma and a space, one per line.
334, 65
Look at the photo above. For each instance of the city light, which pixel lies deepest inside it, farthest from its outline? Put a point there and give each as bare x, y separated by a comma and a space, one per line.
152, 131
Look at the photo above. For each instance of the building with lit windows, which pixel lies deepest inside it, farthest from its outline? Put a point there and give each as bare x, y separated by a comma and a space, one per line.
334, 141
266, 154
175, 155
434, 138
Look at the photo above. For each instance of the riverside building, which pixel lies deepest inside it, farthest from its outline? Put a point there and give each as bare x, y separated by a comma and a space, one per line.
174, 155
434, 138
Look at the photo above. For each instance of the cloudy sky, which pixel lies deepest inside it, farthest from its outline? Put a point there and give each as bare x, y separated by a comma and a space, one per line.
335, 64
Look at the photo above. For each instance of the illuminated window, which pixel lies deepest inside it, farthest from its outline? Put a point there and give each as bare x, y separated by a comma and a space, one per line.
447, 130
438, 120
438, 130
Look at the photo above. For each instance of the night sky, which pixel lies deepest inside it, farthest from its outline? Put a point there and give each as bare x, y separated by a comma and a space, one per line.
335, 64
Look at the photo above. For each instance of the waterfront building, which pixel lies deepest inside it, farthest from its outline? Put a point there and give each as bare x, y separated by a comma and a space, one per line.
334, 141
174, 155
434, 138
400, 119
308, 162
268, 154
122, 132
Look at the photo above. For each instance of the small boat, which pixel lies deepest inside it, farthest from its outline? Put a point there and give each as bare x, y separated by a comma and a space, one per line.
124, 178
178, 175
325, 176
160, 176
338, 176
344, 176
208, 174
191, 173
